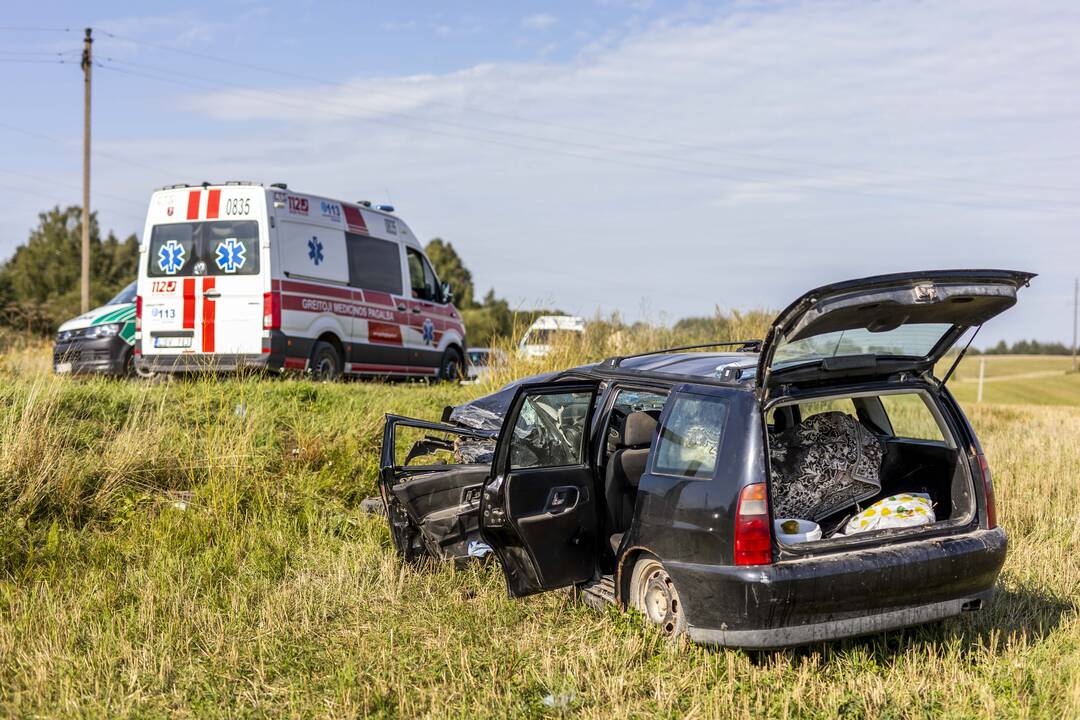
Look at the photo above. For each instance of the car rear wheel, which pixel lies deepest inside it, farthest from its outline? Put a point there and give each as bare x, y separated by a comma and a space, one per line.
452, 367
653, 594
325, 362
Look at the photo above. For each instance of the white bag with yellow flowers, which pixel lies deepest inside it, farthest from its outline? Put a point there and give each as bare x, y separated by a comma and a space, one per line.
896, 511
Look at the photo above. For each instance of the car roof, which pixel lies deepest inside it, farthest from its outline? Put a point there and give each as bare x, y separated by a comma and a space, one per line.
705, 368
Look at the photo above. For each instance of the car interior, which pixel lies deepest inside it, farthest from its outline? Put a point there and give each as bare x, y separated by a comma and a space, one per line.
631, 426
915, 456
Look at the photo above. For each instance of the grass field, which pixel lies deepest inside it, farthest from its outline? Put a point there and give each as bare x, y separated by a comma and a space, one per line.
272, 594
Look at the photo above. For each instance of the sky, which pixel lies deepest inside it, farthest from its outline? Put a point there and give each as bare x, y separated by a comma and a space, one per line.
658, 160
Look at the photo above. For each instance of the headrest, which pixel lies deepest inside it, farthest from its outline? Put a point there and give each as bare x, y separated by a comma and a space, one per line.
640, 427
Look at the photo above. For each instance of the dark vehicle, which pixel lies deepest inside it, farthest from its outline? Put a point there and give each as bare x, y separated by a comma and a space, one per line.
821, 483
100, 341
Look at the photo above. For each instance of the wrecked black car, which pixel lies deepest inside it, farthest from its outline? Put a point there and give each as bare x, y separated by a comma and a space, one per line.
821, 483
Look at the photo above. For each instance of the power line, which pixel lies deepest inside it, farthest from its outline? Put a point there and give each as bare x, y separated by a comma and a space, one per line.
14, 61
38, 52
12, 28
52, 199
159, 74
61, 141
693, 147
62, 183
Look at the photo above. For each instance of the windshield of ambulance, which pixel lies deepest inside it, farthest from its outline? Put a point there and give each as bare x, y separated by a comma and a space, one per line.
915, 340
220, 247
125, 296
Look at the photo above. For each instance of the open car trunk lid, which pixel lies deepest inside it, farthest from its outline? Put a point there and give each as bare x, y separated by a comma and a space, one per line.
882, 324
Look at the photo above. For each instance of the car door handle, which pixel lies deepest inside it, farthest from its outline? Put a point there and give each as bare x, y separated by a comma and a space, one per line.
401, 308
561, 499
212, 294
416, 310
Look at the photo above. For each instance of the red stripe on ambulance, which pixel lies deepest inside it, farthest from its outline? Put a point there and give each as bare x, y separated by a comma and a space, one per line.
209, 309
193, 205
354, 219
213, 204
189, 303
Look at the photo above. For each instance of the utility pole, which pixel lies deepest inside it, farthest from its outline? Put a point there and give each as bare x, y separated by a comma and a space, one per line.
87, 64
1076, 302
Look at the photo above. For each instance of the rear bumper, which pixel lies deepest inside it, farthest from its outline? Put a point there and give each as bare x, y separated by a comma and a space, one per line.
839, 595
106, 356
835, 629
217, 362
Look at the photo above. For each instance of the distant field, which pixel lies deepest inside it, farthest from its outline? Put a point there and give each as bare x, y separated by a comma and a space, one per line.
1017, 379
273, 594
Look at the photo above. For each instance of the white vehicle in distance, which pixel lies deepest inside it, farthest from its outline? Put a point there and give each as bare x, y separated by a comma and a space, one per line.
482, 361
245, 276
548, 330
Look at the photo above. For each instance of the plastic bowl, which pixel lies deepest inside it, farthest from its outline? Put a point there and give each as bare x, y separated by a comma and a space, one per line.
808, 531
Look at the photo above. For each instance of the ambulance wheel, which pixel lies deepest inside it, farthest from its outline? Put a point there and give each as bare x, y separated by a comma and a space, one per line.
451, 368
325, 362
132, 368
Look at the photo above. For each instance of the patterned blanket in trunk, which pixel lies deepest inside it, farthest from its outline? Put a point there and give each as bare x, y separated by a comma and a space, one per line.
826, 463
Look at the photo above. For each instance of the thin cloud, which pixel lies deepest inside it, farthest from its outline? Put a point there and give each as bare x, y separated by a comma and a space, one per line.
539, 21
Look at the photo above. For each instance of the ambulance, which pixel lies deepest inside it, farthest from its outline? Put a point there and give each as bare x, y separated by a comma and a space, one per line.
240, 275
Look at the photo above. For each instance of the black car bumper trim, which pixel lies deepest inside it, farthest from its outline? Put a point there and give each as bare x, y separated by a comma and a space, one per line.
835, 629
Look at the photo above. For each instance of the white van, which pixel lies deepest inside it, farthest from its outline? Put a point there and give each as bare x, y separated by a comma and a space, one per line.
244, 276
546, 330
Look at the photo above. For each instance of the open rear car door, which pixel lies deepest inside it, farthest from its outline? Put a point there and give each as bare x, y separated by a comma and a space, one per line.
882, 325
538, 510
430, 481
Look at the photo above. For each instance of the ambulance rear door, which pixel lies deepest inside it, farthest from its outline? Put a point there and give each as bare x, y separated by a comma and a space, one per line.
207, 268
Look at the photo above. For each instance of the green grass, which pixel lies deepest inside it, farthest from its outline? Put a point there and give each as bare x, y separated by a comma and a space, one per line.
1017, 379
272, 594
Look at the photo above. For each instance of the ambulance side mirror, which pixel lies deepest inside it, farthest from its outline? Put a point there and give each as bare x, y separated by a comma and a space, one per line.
446, 293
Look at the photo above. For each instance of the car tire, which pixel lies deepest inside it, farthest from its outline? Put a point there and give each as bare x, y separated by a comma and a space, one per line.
451, 368
132, 369
653, 594
325, 362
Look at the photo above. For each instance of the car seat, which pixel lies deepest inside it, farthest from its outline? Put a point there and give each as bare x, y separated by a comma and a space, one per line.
625, 467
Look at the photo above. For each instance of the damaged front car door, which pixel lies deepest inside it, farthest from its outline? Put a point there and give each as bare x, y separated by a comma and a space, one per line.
538, 509
431, 487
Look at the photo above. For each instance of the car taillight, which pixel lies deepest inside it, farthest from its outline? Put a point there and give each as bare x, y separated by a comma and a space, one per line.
988, 492
138, 312
753, 532
271, 311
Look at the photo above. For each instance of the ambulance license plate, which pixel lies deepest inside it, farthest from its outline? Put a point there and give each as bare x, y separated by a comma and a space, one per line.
63, 368
173, 342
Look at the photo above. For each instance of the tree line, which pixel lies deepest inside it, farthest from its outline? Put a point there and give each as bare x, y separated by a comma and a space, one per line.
39, 283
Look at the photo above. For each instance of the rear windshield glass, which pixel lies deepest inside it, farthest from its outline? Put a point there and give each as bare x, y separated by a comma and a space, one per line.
226, 247
913, 340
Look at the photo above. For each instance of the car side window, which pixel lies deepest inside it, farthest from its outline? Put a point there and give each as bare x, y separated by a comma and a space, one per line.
690, 438
421, 277
374, 264
550, 430
431, 282
911, 417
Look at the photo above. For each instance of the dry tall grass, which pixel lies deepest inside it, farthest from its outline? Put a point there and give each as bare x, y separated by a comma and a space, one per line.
273, 594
